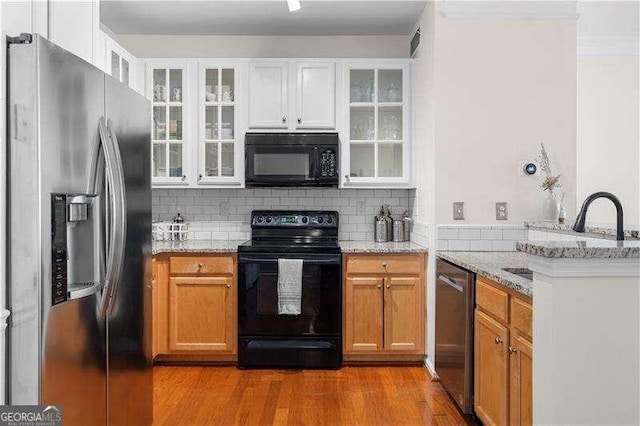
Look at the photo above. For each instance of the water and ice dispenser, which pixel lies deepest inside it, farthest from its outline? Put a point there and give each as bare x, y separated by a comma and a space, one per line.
74, 256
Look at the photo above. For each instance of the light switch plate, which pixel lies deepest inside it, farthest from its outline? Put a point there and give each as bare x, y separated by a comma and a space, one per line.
501, 211
458, 210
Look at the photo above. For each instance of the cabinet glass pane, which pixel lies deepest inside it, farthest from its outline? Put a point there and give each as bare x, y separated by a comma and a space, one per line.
390, 123
227, 159
211, 159
159, 123
115, 65
175, 85
125, 72
362, 123
211, 123
227, 122
211, 85
159, 85
159, 159
390, 160
227, 87
390, 86
175, 160
362, 160
175, 123
362, 85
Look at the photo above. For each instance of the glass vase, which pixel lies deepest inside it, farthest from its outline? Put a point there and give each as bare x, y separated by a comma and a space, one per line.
550, 208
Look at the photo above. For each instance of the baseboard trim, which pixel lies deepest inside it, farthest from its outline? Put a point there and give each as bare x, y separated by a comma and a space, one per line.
431, 369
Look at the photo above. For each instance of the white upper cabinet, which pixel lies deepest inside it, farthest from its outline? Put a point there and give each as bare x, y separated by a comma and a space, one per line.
268, 95
315, 95
122, 65
75, 25
376, 136
292, 95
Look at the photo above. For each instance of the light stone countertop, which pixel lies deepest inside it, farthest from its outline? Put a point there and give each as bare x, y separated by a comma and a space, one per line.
195, 246
373, 247
489, 264
568, 228
217, 246
592, 249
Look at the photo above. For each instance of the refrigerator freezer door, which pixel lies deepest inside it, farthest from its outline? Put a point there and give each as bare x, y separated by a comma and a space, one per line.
129, 320
57, 354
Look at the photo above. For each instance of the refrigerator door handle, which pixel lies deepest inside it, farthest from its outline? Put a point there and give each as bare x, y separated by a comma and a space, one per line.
116, 215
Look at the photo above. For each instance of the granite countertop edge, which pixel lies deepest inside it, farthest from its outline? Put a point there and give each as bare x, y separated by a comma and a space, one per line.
215, 246
489, 265
580, 250
568, 228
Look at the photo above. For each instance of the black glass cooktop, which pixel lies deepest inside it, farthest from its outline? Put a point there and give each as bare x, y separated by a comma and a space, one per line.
290, 246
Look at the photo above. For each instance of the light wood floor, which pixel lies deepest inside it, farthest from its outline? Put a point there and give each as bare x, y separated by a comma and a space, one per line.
380, 395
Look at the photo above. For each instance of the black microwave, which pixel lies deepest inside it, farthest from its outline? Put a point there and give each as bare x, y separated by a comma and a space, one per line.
291, 159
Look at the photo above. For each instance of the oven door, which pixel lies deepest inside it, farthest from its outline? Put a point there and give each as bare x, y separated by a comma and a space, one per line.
280, 165
321, 306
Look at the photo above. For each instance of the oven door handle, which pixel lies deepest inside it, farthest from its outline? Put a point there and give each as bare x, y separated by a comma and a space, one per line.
306, 260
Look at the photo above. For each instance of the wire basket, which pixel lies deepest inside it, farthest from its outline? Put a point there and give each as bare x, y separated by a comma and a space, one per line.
169, 231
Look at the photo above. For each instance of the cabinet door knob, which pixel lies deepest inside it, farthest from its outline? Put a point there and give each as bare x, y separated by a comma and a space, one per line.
199, 177
184, 177
379, 285
284, 119
228, 286
512, 350
388, 285
498, 340
299, 120
384, 264
200, 265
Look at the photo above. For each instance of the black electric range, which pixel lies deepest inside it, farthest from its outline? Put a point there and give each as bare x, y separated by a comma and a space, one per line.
313, 338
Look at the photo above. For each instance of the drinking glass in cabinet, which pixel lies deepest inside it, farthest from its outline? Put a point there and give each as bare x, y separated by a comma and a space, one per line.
159, 159
211, 123
362, 160
115, 65
227, 122
362, 123
390, 160
175, 85
211, 159
211, 85
227, 89
362, 85
175, 123
125, 72
227, 159
159, 85
175, 160
159, 123
390, 123
390, 85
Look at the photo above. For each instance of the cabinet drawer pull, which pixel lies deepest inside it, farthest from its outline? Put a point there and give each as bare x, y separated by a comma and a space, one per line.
228, 286
384, 264
200, 265
498, 340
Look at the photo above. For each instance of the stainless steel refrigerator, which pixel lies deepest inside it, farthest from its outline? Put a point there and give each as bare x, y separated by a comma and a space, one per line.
79, 208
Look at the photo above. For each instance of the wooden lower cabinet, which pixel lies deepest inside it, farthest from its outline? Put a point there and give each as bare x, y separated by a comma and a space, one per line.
201, 315
491, 370
383, 312
503, 356
194, 308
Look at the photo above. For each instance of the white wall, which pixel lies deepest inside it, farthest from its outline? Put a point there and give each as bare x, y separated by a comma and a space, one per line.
503, 87
608, 135
157, 46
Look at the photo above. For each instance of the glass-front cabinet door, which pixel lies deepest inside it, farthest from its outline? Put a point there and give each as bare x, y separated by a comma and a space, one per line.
377, 126
168, 95
220, 153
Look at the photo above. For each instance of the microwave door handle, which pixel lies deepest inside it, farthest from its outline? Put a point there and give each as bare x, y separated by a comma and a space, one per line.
315, 169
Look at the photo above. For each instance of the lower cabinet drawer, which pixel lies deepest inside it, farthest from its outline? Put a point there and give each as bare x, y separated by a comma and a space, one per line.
493, 301
387, 264
222, 265
522, 317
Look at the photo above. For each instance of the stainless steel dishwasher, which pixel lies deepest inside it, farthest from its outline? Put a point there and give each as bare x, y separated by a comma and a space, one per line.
455, 299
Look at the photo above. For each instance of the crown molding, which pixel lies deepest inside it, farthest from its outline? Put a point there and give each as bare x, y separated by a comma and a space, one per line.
524, 10
608, 44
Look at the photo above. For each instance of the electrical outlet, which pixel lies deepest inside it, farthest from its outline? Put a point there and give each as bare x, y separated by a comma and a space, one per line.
360, 208
224, 208
501, 211
458, 210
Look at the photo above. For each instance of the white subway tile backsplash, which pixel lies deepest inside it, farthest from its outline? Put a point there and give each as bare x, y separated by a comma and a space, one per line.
469, 234
491, 234
447, 234
459, 245
480, 245
503, 245
514, 234
480, 237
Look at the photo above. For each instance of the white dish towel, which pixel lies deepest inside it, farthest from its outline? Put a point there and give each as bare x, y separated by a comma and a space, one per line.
289, 286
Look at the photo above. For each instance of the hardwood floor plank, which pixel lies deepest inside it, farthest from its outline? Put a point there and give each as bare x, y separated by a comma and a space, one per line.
354, 395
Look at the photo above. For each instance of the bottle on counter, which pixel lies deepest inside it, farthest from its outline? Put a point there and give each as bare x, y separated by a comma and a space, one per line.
381, 233
177, 228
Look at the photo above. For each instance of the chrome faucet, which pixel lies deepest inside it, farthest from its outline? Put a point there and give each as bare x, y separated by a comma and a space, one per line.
579, 225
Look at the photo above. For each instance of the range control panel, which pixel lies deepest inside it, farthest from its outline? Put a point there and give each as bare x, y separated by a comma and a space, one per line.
58, 248
272, 219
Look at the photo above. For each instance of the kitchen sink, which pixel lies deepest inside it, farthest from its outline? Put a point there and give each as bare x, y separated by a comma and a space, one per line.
521, 272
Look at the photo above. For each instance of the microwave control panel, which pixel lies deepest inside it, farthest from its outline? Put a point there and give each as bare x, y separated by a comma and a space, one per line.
328, 166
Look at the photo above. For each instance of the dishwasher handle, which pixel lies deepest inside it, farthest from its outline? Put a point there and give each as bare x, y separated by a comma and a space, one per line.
450, 282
